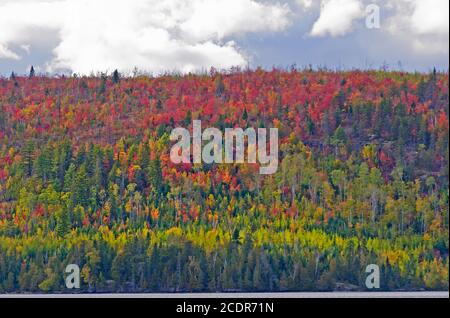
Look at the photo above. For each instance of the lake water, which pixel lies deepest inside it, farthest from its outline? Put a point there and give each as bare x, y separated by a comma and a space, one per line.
244, 295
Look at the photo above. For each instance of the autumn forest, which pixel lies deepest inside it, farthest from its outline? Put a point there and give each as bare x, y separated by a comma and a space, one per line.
86, 179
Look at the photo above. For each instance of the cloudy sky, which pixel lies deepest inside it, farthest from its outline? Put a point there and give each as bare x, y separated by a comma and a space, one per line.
84, 36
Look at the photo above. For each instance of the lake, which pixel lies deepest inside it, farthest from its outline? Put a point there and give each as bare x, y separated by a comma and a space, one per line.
245, 295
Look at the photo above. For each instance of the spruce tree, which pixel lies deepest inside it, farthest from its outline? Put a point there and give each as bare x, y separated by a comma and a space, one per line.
116, 77
32, 72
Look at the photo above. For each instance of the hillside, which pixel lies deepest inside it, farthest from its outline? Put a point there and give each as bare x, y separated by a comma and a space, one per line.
86, 178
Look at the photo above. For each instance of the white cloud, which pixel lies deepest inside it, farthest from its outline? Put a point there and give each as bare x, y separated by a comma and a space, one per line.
18, 18
26, 48
6, 53
431, 17
336, 17
218, 19
424, 22
152, 35
306, 4
164, 35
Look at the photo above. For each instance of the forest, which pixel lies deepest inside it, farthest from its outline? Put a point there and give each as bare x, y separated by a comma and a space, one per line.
86, 179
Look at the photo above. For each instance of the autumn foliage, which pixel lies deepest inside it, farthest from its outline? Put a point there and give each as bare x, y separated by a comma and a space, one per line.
85, 178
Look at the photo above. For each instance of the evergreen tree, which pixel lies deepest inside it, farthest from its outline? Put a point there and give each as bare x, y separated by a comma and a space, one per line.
28, 157
155, 175
63, 223
116, 77
32, 72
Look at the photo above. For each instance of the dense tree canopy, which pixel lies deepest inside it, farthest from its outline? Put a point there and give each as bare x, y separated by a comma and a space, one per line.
85, 178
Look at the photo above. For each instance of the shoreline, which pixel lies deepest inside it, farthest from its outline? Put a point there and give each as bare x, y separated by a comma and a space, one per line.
281, 295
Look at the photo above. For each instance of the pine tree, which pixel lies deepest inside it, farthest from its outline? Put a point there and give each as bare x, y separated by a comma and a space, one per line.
62, 222
2, 117
155, 175
188, 118
116, 77
80, 187
28, 158
44, 164
220, 87
245, 115
32, 72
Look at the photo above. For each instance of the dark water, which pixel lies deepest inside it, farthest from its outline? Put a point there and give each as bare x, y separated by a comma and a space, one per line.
246, 295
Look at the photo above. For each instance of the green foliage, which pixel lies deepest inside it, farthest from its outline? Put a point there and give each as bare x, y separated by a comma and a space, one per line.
363, 178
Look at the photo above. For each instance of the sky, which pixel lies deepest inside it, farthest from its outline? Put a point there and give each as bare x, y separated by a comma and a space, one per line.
157, 36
